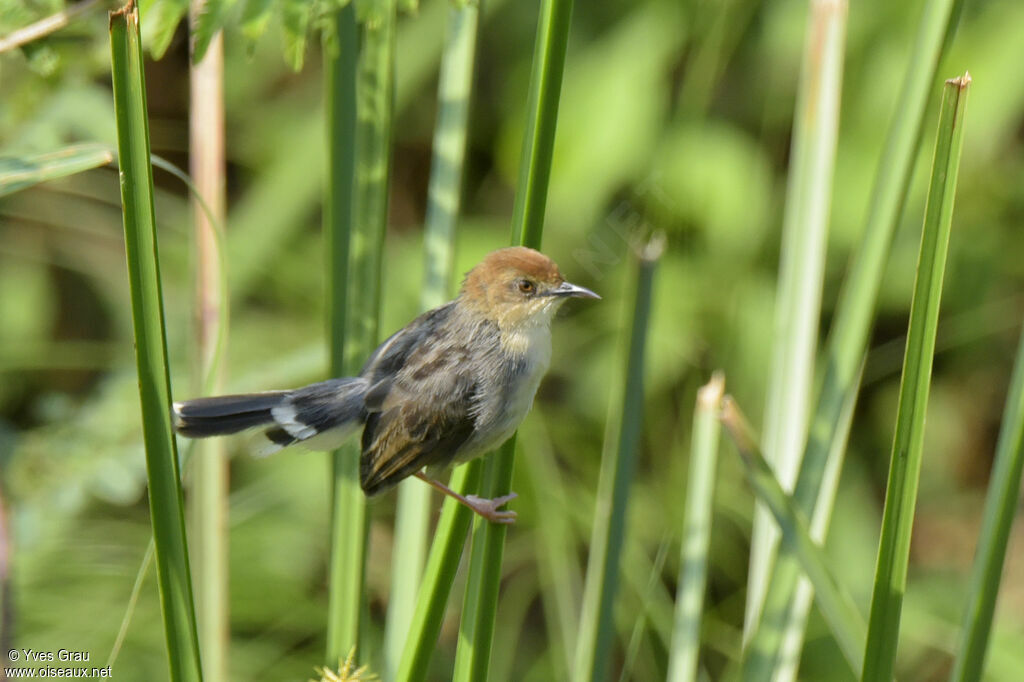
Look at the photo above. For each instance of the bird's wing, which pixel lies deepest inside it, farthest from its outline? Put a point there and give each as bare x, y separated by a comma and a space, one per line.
389, 357
420, 412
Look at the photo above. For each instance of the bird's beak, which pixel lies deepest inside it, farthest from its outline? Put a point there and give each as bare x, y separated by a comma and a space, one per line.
569, 289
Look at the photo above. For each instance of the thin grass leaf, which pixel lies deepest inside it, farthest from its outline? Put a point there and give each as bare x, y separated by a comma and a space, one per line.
21, 172
801, 276
837, 606
374, 93
133, 600
908, 443
412, 513
1000, 512
696, 535
774, 645
848, 337
636, 637
593, 648
165, 498
477, 626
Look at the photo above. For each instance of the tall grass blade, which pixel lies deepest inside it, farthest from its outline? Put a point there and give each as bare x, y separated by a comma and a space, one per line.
374, 97
480, 607
541, 117
841, 614
442, 564
165, 498
908, 443
412, 514
622, 440
696, 535
851, 328
21, 172
340, 62
801, 274
1000, 511
208, 502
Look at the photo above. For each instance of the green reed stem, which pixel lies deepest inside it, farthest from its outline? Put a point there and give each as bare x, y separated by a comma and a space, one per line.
908, 443
412, 514
165, 499
801, 274
480, 607
618, 462
848, 337
696, 535
354, 333
438, 576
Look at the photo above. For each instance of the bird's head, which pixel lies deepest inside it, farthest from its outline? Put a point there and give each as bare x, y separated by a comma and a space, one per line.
517, 286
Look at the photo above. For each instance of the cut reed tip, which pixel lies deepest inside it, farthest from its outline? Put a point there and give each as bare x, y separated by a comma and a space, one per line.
709, 396
961, 81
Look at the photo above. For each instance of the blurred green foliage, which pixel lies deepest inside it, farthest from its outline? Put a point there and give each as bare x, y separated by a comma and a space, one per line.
674, 116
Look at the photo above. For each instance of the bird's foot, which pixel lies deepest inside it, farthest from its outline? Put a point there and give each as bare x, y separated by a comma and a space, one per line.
488, 508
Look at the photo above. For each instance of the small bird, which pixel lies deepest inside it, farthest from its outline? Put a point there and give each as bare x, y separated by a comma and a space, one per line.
450, 386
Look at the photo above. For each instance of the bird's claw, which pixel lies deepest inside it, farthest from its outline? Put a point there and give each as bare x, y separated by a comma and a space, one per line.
488, 508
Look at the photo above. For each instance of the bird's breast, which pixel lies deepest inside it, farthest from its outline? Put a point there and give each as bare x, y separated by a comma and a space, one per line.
506, 391
532, 345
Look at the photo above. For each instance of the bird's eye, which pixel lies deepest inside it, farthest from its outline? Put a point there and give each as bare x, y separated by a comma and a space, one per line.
525, 286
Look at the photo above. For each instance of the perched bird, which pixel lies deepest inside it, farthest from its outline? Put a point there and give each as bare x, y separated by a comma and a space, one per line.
450, 386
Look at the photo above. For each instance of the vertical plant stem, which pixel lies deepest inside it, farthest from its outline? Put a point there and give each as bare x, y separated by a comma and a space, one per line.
165, 499
851, 328
443, 198
908, 443
622, 440
481, 604
208, 504
541, 119
801, 273
1000, 510
340, 62
374, 97
696, 535
442, 564
340, 97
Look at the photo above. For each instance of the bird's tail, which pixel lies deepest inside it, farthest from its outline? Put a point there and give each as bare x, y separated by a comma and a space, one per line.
319, 415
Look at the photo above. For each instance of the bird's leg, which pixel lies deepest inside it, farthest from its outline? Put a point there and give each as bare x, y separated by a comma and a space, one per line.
482, 506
